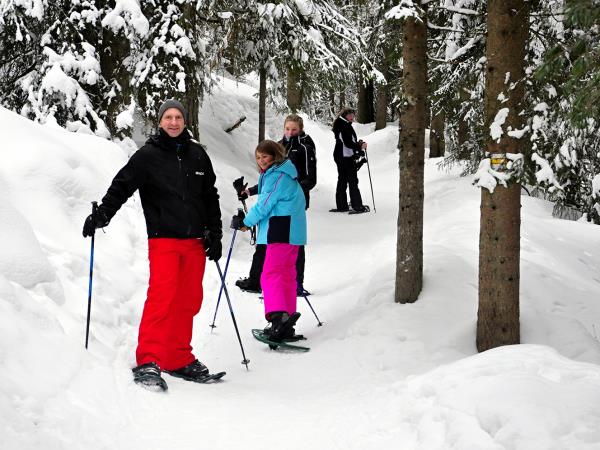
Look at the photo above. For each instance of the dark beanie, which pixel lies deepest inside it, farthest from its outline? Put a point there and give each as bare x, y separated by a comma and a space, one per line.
168, 104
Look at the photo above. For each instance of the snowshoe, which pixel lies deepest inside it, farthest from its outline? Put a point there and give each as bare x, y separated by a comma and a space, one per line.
196, 372
360, 210
248, 285
342, 210
260, 336
148, 376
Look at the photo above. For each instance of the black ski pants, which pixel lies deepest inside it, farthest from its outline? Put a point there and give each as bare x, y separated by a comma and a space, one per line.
258, 260
347, 177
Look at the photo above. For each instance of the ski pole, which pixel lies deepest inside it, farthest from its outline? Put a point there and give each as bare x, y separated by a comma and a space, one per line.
245, 360
371, 182
253, 229
240, 187
89, 308
313, 310
224, 276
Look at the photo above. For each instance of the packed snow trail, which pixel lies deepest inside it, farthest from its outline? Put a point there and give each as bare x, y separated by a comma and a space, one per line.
379, 375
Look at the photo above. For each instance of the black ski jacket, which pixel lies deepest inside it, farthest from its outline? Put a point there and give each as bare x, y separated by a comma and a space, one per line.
301, 151
177, 188
346, 143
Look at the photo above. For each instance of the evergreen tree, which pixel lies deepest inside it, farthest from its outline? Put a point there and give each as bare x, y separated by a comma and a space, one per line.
565, 110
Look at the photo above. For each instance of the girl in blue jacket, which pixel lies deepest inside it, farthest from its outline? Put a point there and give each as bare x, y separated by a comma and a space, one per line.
281, 218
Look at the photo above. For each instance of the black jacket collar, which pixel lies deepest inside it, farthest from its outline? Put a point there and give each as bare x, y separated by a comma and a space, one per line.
166, 142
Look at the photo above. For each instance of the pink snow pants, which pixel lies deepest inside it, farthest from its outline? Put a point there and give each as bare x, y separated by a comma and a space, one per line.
278, 279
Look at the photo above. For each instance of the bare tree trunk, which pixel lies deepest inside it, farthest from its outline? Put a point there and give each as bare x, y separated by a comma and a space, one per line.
365, 112
294, 91
342, 99
262, 102
437, 144
409, 250
499, 246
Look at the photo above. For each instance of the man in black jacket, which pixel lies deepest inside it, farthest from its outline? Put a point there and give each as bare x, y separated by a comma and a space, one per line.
176, 182
345, 154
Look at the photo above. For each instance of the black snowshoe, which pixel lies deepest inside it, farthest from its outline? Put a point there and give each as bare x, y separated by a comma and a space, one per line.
148, 376
339, 210
248, 285
360, 210
196, 372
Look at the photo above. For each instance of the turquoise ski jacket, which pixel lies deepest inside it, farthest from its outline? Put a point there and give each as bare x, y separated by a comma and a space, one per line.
279, 211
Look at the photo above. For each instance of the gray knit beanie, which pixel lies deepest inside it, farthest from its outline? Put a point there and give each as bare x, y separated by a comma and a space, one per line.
171, 103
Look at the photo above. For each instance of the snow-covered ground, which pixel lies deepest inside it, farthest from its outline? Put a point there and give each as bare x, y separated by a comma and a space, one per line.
379, 375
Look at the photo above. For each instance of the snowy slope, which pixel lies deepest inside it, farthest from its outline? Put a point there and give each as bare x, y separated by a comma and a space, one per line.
379, 375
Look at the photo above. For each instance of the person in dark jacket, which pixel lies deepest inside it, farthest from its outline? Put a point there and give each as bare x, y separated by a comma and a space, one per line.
300, 149
345, 154
176, 183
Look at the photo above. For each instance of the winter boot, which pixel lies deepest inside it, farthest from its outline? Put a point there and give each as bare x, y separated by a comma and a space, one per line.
148, 376
248, 285
192, 372
282, 326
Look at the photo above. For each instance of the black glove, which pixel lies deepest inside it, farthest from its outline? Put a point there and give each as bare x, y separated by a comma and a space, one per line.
237, 221
359, 154
240, 188
212, 245
359, 162
94, 221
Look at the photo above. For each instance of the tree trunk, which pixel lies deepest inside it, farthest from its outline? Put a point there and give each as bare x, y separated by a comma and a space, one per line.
113, 52
365, 112
409, 250
342, 99
382, 106
382, 100
499, 246
437, 144
294, 91
192, 105
332, 110
262, 102
193, 88
463, 129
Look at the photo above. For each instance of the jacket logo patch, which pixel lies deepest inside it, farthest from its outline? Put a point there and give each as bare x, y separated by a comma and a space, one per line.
199, 173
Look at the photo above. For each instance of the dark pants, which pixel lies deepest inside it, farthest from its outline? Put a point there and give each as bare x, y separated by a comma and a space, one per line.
347, 177
258, 261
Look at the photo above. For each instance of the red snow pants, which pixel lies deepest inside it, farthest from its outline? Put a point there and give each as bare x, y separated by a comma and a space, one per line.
174, 298
278, 279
